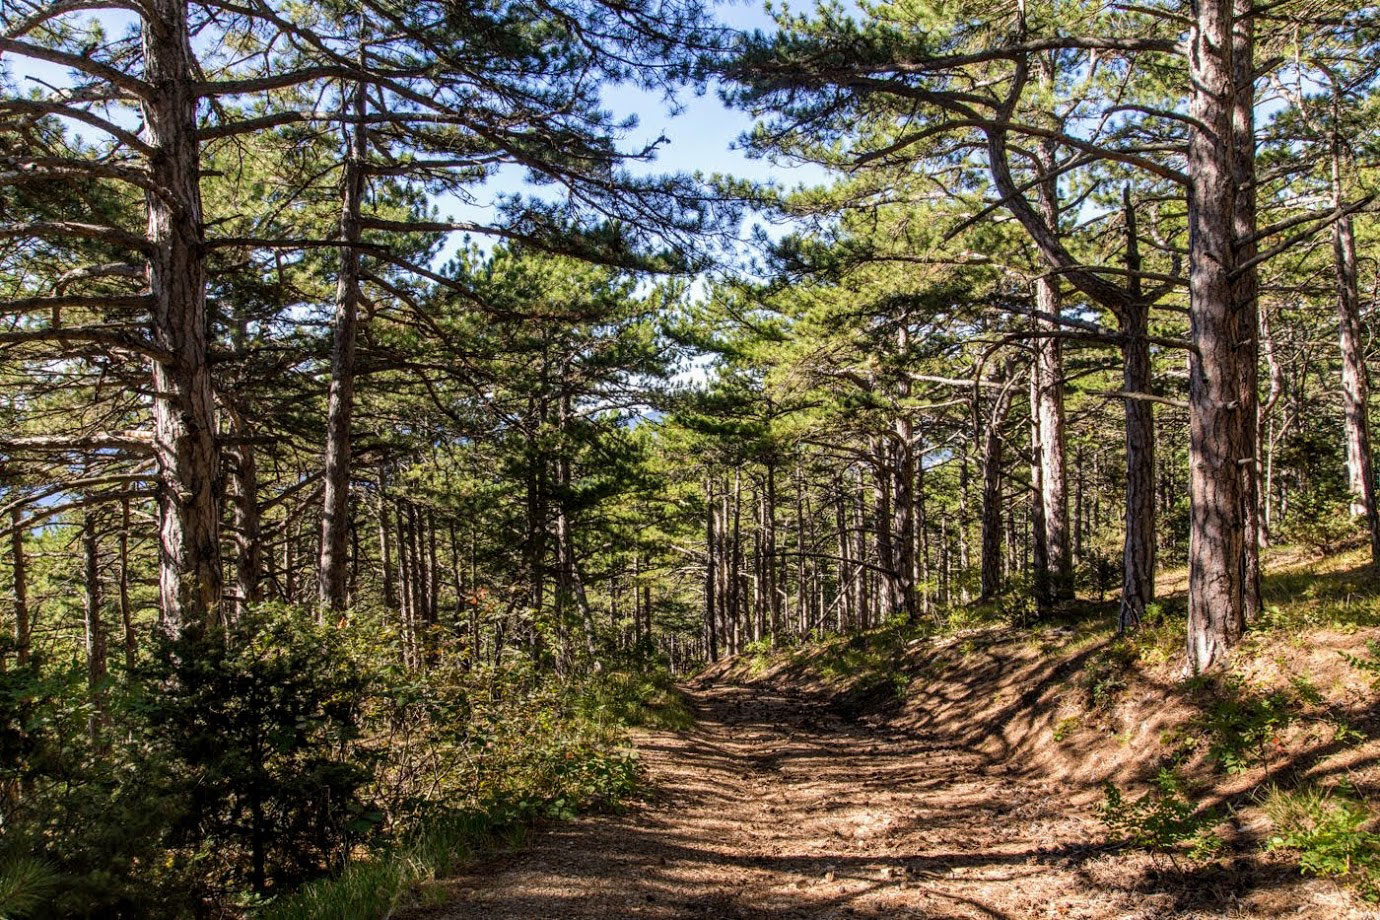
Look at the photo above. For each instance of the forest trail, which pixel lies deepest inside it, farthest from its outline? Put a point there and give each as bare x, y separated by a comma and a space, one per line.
776, 806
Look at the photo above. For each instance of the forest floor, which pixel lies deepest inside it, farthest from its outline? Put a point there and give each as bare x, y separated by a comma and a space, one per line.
779, 804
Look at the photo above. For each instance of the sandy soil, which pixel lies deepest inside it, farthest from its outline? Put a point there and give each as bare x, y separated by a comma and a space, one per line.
777, 806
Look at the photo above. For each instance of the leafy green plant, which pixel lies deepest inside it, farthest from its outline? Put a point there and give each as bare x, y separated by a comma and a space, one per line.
1332, 833
1163, 821
1244, 723
1105, 674
1368, 663
1066, 726
632, 697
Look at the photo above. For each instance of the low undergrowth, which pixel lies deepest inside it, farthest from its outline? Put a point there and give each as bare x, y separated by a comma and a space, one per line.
293, 770
1331, 831
548, 752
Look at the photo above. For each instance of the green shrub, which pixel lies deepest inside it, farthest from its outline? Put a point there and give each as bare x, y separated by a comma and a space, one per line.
1332, 833
632, 697
262, 725
1319, 521
1243, 723
92, 812
1105, 675
1163, 821
1368, 663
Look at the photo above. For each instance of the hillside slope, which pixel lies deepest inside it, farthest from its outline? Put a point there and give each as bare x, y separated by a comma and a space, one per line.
964, 775
1286, 740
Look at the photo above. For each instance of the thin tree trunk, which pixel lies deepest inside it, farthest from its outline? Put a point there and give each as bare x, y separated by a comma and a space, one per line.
1047, 391
340, 407
1246, 292
407, 618
1138, 549
126, 611
1267, 415
991, 493
773, 596
863, 604
903, 517
882, 524
711, 627
290, 559
390, 593
1044, 594
97, 666
845, 564
457, 576
247, 526
23, 632
1355, 386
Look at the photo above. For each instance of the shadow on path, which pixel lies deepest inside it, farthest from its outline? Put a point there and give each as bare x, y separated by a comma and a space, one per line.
778, 806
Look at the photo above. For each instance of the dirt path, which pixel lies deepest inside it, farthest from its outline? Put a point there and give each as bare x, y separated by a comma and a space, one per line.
777, 807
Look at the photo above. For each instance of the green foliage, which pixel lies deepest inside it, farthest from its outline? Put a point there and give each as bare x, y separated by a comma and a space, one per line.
26, 884
1163, 821
1332, 832
262, 724
1100, 571
1065, 727
1105, 674
1243, 723
302, 757
93, 811
559, 781
375, 887
1367, 663
1320, 521
632, 697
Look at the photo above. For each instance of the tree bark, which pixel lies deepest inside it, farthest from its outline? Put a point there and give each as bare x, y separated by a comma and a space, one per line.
1355, 385
1138, 548
247, 529
97, 666
1044, 594
23, 640
992, 444
1246, 292
770, 587
882, 523
711, 627
1048, 391
1216, 601
390, 592
190, 579
340, 406
126, 611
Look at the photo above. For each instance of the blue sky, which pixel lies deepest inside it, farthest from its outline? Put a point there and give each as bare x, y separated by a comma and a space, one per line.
701, 135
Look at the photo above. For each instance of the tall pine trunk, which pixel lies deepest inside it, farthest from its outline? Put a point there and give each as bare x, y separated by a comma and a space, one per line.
97, 664
1218, 451
1355, 385
190, 579
335, 518
1246, 293
992, 444
19, 571
1138, 548
1048, 390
